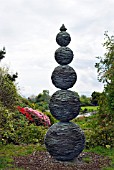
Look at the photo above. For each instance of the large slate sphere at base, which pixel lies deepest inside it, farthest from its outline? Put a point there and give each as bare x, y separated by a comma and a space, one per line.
65, 141
64, 105
64, 77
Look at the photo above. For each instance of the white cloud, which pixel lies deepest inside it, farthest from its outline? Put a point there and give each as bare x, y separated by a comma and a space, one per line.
28, 30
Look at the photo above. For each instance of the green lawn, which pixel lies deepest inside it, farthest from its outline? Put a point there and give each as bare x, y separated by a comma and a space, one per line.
90, 108
8, 151
105, 152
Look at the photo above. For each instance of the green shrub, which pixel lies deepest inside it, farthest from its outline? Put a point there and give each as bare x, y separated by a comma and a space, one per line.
8, 91
29, 134
23, 102
52, 119
17, 130
14, 128
6, 123
95, 133
102, 136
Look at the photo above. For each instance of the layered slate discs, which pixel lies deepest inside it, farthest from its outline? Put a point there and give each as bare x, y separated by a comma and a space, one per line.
63, 38
64, 77
64, 105
63, 55
64, 141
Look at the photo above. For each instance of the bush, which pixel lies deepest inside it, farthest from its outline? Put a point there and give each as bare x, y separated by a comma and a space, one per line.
35, 116
6, 122
23, 102
14, 128
29, 134
8, 91
17, 130
95, 133
102, 136
52, 119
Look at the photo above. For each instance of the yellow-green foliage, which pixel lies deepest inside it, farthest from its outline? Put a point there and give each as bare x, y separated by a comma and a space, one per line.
96, 134
17, 130
52, 119
8, 91
14, 127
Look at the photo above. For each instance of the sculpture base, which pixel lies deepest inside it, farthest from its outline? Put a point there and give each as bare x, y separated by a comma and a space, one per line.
64, 141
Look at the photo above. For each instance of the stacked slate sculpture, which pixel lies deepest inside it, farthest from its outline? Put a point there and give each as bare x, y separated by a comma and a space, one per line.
64, 140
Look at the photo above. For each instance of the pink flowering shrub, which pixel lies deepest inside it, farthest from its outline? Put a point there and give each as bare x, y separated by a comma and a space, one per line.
35, 116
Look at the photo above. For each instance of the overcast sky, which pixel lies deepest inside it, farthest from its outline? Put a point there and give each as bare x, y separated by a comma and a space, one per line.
28, 29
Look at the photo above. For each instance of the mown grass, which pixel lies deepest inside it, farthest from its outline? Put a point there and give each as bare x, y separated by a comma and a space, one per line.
7, 152
109, 152
90, 108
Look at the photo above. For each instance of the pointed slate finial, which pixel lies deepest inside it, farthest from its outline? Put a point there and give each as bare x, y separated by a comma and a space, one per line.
63, 28
63, 38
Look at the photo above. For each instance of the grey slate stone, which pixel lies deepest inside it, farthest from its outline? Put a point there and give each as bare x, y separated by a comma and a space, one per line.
63, 38
63, 28
64, 105
63, 55
64, 77
64, 141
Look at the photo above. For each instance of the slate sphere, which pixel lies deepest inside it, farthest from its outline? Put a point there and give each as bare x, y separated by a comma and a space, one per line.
64, 141
64, 105
63, 38
64, 77
63, 55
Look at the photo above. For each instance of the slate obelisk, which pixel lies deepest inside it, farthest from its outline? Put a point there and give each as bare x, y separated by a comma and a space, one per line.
64, 140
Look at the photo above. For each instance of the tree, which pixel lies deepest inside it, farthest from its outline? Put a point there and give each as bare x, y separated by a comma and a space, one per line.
104, 133
94, 98
105, 69
8, 90
44, 96
85, 101
12, 77
2, 52
43, 100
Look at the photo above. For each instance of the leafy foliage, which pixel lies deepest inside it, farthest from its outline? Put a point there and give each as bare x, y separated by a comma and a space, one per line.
2, 53
52, 119
6, 122
95, 133
8, 91
35, 116
17, 130
95, 98
14, 127
105, 69
12, 77
85, 101
42, 100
